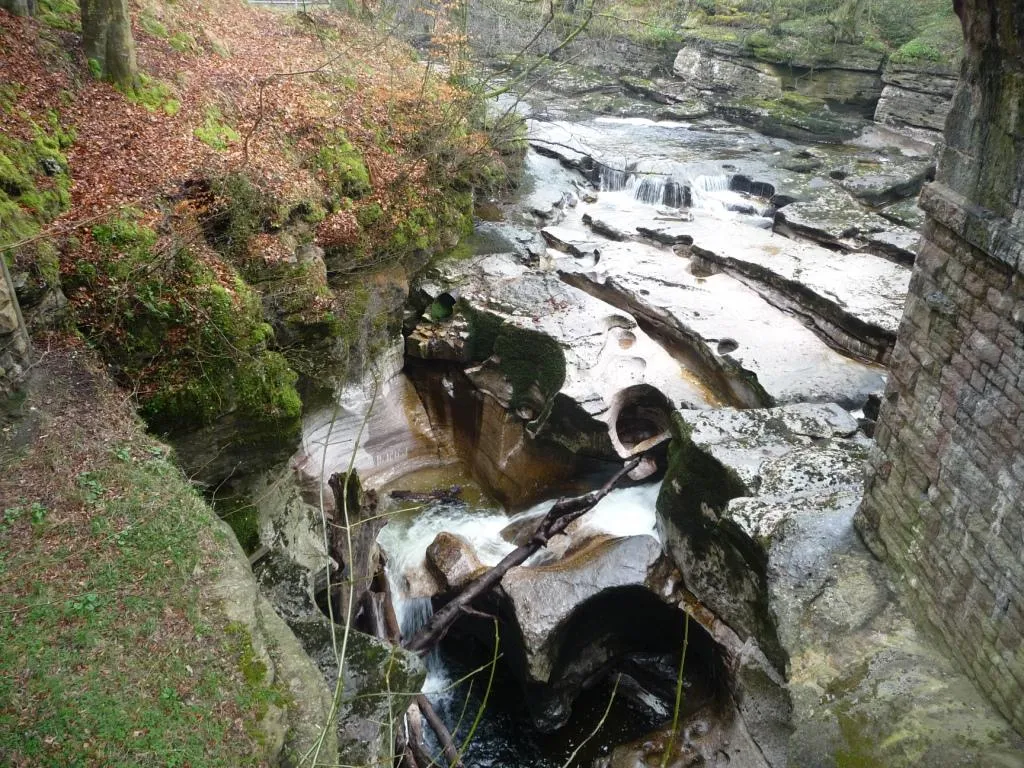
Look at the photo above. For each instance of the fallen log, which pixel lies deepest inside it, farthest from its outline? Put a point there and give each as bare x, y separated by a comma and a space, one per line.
444, 736
554, 522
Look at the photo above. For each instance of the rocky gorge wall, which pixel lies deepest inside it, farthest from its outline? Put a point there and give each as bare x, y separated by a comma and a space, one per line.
14, 341
943, 501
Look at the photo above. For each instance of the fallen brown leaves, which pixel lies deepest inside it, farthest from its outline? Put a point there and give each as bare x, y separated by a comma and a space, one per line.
287, 82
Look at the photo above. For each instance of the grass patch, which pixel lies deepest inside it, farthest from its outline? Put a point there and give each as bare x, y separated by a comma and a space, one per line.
111, 655
59, 14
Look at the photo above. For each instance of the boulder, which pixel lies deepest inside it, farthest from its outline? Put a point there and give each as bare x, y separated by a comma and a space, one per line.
586, 608
453, 561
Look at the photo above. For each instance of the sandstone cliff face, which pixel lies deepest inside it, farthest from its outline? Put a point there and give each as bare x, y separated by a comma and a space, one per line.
943, 502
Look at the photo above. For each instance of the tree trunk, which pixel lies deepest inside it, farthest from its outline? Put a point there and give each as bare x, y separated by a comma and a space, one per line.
107, 40
19, 7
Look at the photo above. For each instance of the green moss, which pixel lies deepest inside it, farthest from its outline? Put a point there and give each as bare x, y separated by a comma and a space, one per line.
215, 131
439, 311
34, 183
341, 167
241, 214
194, 348
243, 517
183, 42
526, 358
153, 26
153, 95
59, 14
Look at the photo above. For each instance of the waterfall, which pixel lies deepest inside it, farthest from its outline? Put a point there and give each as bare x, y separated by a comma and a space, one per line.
652, 189
715, 193
711, 192
612, 179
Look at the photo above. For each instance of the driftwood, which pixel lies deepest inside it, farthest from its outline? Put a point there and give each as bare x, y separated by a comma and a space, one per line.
451, 494
555, 521
363, 526
440, 730
415, 748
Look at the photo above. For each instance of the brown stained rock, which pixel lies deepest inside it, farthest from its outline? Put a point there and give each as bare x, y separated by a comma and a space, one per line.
452, 560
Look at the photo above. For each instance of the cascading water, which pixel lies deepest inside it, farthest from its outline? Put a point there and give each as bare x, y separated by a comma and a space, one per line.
613, 179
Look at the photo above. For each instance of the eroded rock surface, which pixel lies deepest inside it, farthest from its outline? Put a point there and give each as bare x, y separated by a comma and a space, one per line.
751, 352
544, 597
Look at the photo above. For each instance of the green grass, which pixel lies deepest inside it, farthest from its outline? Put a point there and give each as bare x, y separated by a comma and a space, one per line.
111, 657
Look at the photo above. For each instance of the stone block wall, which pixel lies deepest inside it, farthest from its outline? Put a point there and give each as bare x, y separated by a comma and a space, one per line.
944, 503
14, 341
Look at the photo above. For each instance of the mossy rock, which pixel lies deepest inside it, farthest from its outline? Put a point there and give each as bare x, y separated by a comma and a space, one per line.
532, 362
35, 186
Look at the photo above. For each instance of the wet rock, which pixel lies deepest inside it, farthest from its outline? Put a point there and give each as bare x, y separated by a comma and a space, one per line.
832, 218
906, 213
602, 228
544, 597
453, 561
710, 738
880, 183
714, 75
779, 117
379, 680
569, 242
899, 244
669, 233
677, 95
599, 362
800, 161
439, 341
693, 312
395, 439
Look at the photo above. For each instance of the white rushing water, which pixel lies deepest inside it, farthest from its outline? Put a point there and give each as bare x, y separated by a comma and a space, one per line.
623, 512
